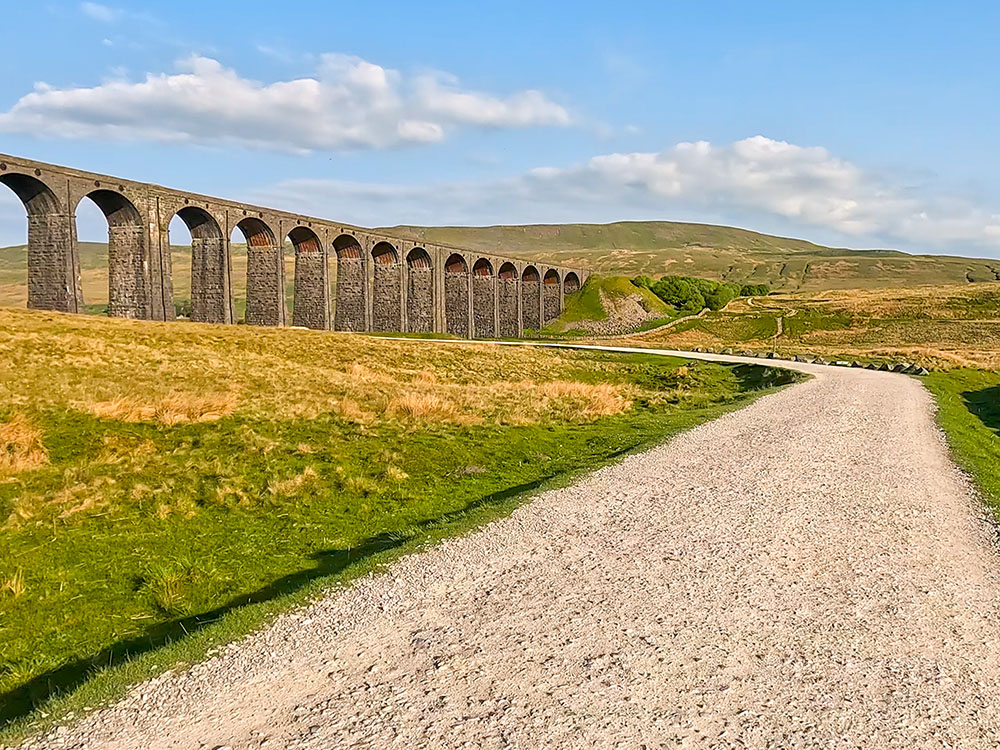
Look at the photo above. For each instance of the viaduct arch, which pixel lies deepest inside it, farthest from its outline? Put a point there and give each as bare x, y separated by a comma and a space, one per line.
346, 278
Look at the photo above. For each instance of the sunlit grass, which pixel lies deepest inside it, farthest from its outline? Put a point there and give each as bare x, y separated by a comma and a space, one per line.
939, 327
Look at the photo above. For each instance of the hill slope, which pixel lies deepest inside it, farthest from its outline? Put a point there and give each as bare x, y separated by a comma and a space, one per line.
715, 252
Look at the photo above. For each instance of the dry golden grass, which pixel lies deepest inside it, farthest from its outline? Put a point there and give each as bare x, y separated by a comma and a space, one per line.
179, 372
937, 326
293, 485
21, 446
13, 585
174, 408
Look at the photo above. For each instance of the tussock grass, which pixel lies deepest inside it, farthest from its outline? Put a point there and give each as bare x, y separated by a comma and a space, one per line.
21, 446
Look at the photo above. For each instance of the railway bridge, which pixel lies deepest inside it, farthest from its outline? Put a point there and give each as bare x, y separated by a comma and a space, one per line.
347, 278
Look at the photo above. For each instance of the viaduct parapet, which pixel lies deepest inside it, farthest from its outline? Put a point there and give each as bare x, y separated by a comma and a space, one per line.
382, 282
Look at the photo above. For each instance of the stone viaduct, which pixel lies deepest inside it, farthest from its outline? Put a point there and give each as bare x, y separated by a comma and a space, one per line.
381, 282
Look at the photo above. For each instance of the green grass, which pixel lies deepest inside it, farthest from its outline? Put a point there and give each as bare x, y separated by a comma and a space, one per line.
969, 413
586, 304
276, 466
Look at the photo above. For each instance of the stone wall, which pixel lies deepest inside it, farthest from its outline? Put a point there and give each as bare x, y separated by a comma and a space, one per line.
420, 300
386, 298
507, 293
483, 300
456, 303
350, 314
530, 304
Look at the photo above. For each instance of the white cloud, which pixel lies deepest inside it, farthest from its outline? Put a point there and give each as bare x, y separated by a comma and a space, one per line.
98, 12
767, 183
349, 103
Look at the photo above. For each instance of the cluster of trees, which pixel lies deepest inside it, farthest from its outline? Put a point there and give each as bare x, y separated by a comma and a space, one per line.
687, 293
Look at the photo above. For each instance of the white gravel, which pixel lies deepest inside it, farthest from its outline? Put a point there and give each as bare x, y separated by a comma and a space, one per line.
811, 571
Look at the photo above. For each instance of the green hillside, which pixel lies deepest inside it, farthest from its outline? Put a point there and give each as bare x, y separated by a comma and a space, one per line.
715, 252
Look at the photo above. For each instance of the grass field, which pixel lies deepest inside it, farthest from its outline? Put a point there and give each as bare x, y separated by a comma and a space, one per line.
969, 413
713, 252
940, 327
165, 487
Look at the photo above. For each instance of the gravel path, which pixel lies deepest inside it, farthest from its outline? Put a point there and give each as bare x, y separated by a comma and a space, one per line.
810, 571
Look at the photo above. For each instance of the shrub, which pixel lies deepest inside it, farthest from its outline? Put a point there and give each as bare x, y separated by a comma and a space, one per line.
687, 293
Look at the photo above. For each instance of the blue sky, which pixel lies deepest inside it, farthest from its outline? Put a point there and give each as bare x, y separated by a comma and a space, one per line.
857, 124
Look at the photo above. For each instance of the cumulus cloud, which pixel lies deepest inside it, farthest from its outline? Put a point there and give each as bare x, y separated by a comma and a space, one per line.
349, 103
780, 185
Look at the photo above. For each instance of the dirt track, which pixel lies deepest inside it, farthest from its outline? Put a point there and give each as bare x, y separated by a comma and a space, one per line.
810, 571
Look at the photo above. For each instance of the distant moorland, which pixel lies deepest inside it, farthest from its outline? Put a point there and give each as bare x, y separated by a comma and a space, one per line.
712, 252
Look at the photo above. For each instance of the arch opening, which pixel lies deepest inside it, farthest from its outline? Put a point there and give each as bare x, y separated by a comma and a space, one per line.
551, 296
128, 279
507, 301
457, 311
387, 291
483, 299
419, 291
531, 299
311, 297
262, 302
349, 312
571, 283
209, 296
52, 258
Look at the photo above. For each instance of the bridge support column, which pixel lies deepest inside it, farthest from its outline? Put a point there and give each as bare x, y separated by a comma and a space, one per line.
507, 301
128, 273
211, 298
53, 263
312, 286
265, 286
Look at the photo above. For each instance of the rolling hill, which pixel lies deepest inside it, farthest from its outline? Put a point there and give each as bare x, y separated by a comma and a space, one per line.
715, 252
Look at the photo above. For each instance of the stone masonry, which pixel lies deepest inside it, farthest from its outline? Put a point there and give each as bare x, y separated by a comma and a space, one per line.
484, 306
420, 300
456, 303
507, 299
371, 294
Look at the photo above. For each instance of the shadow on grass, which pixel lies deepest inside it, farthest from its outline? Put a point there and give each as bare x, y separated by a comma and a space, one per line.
985, 405
17, 703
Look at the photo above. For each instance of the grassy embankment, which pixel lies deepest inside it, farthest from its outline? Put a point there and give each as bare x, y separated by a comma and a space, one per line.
591, 305
167, 487
969, 413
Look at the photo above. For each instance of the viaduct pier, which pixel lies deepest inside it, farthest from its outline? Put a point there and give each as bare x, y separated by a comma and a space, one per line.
346, 278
